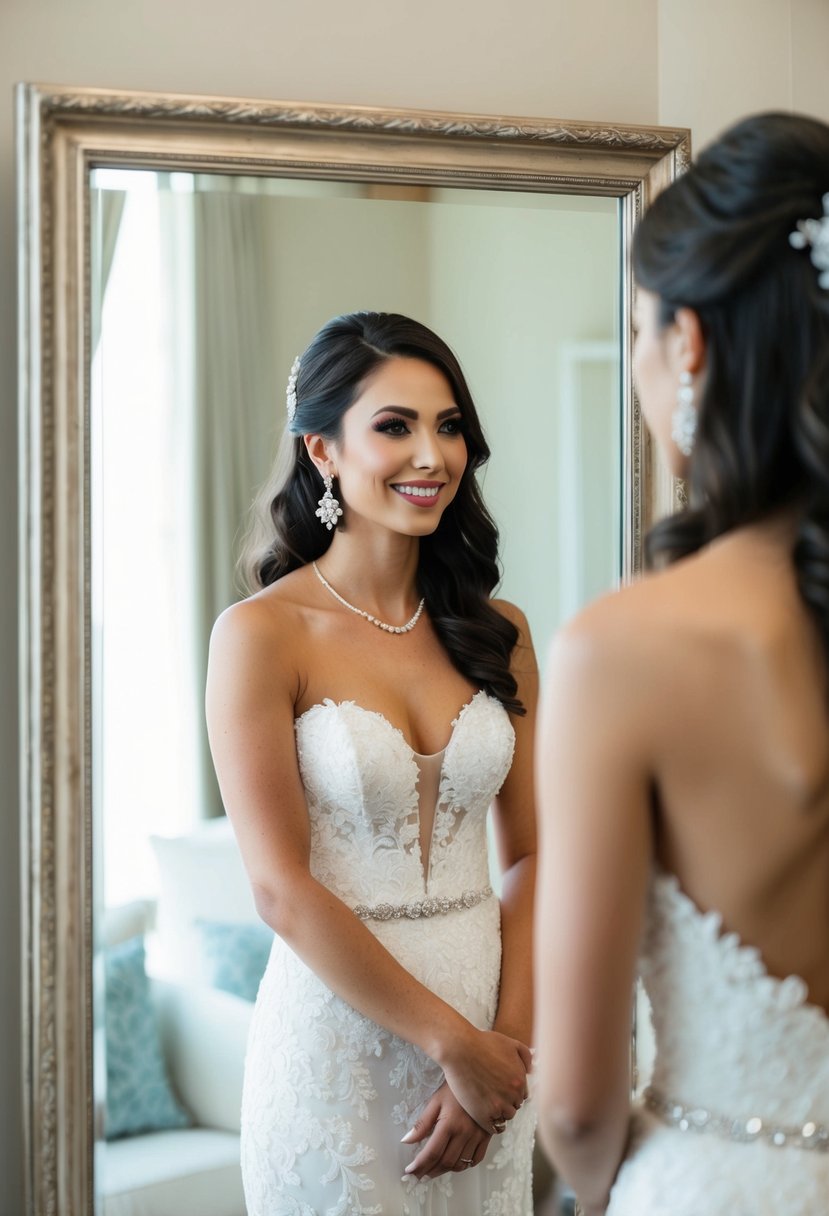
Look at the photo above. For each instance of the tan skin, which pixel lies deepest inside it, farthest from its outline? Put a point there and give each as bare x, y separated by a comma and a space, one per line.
287, 648
685, 719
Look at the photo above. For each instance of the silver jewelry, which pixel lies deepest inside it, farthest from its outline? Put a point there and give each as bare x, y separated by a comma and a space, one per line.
380, 624
438, 906
467, 1160
329, 509
684, 420
809, 1135
290, 391
815, 233
499, 1125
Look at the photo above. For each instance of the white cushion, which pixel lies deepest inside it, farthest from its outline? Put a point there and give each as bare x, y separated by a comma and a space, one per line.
123, 921
204, 1034
202, 878
194, 1172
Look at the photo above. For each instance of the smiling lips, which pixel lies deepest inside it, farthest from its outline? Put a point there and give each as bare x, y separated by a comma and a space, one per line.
419, 493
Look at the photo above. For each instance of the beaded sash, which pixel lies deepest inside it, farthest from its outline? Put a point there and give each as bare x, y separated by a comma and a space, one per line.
422, 907
809, 1135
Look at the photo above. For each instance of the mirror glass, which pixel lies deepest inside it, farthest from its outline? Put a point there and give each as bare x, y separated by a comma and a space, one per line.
204, 288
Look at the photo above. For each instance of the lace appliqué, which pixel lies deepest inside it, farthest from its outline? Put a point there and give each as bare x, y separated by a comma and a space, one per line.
734, 1040
328, 1093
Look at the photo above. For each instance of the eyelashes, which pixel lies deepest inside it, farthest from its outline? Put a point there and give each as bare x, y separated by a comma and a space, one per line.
391, 426
398, 427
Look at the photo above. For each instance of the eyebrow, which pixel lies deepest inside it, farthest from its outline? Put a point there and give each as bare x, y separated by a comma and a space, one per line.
408, 413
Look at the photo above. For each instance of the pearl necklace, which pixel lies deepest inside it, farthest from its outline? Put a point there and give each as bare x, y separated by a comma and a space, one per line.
380, 624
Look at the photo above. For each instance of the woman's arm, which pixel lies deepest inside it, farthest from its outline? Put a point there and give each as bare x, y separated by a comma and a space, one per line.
514, 820
595, 837
251, 693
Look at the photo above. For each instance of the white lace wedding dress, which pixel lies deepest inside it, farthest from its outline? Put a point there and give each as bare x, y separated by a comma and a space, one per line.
328, 1093
735, 1119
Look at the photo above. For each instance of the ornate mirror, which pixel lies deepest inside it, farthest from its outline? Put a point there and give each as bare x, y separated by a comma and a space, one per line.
176, 253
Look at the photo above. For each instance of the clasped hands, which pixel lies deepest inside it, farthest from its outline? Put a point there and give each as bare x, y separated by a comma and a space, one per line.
486, 1084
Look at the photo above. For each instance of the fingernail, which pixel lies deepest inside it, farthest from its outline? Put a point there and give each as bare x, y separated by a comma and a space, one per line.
407, 1138
408, 1169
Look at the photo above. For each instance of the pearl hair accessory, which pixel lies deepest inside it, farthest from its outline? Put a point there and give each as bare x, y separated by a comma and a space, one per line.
290, 391
373, 619
815, 233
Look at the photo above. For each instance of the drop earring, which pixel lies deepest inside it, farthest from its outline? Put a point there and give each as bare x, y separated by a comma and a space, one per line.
329, 509
684, 419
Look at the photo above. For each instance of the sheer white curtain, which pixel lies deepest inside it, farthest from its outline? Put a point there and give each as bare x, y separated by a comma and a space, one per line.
143, 700
237, 395
185, 408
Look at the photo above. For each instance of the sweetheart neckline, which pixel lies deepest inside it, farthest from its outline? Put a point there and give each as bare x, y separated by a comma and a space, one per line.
330, 703
743, 949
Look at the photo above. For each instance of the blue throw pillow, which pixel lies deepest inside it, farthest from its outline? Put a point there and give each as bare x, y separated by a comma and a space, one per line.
235, 955
139, 1097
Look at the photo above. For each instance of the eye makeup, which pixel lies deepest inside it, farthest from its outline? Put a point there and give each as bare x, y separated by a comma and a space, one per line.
392, 425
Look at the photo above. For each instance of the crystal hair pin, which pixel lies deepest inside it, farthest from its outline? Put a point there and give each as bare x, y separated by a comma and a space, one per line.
290, 391
815, 233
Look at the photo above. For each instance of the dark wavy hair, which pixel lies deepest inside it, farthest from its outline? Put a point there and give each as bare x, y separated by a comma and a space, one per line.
717, 241
458, 564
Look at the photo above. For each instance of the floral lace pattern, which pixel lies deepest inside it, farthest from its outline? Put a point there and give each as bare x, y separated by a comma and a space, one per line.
730, 1038
329, 1093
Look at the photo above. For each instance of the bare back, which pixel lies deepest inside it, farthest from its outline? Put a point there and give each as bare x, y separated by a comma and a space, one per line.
741, 737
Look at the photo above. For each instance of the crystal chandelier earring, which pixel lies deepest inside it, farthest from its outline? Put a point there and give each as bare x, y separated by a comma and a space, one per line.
684, 420
329, 509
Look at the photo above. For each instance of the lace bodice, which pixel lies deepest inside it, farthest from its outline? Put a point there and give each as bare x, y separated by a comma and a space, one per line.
329, 1093
729, 1036
361, 776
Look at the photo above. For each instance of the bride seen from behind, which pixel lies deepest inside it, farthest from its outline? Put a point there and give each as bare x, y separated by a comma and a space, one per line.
683, 753
365, 706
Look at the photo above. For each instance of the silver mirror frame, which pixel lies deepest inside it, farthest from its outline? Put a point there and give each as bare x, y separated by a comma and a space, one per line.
64, 133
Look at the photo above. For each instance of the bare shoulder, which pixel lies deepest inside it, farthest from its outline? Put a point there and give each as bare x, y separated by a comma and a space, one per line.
664, 631
515, 616
623, 644
259, 639
262, 618
524, 665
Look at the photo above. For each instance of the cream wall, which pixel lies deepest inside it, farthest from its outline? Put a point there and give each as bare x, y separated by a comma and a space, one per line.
696, 65
721, 59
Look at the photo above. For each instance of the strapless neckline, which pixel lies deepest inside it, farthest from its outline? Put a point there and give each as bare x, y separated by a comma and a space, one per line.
451, 763
329, 703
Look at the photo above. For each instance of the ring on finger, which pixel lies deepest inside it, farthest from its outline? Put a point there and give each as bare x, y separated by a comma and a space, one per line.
499, 1125
467, 1161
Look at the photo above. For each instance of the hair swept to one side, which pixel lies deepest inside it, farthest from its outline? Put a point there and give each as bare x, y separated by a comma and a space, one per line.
458, 568
717, 241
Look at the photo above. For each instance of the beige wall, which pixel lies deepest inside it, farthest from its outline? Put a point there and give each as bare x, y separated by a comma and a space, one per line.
696, 65
722, 59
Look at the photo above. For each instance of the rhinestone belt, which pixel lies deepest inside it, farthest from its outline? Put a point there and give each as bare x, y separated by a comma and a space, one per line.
809, 1135
422, 907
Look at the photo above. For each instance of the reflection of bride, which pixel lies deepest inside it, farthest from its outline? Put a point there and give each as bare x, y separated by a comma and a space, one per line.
684, 775
365, 707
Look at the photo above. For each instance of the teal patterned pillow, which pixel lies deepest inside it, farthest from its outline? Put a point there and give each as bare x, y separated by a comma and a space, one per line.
139, 1097
235, 955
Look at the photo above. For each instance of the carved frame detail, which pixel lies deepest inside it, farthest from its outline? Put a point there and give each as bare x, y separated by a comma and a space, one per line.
62, 134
